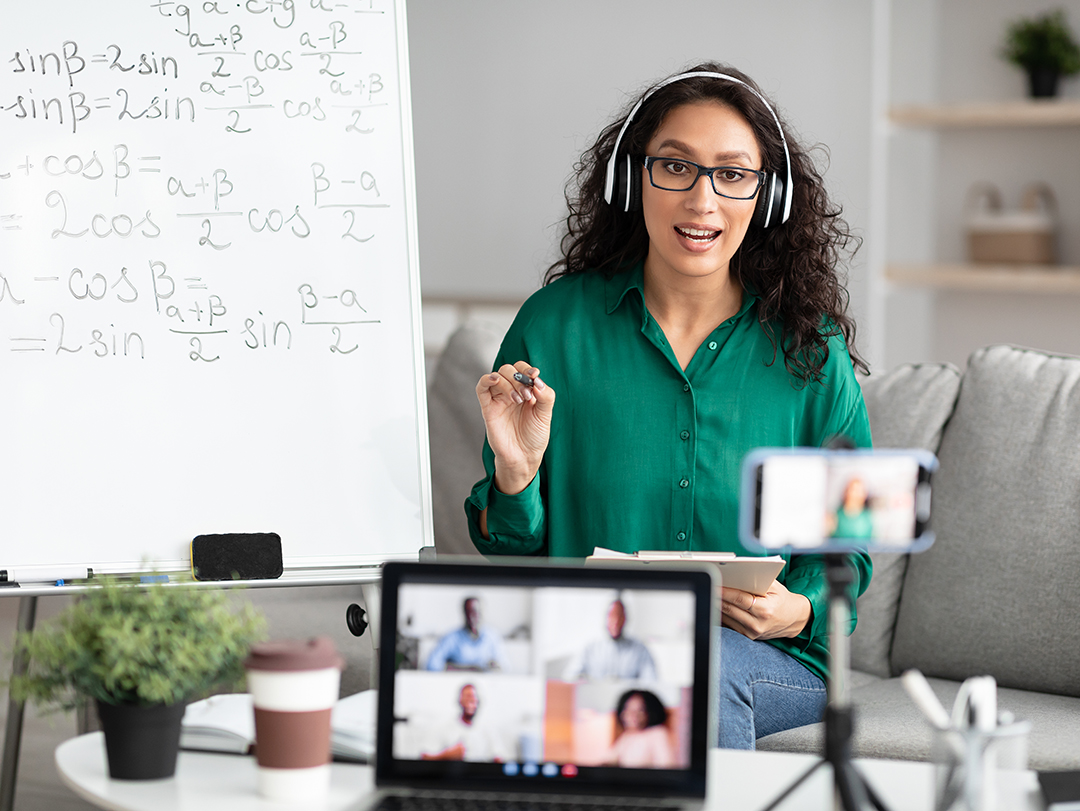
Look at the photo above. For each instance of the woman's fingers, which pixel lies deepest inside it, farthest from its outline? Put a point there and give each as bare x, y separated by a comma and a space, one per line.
519, 383
530, 387
778, 614
738, 598
741, 611
495, 385
525, 380
517, 407
495, 388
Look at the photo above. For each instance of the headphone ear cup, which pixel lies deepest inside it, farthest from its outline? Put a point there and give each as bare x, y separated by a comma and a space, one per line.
627, 187
767, 212
633, 169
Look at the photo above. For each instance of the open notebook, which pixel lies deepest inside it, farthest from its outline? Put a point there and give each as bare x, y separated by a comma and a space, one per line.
545, 683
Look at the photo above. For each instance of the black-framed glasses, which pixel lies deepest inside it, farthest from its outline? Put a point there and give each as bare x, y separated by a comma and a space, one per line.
676, 174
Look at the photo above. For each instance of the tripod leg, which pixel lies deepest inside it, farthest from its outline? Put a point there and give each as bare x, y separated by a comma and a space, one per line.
851, 791
783, 796
875, 798
851, 788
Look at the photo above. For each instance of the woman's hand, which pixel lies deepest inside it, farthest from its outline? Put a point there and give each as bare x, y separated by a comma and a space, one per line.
518, 422
780, 614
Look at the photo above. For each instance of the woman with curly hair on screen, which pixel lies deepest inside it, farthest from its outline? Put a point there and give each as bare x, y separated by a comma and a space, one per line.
641, 740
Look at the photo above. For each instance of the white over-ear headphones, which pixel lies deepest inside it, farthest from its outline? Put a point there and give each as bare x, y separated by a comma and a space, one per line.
622, 184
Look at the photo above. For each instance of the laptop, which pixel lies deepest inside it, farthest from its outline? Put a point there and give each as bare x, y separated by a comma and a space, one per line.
529, 684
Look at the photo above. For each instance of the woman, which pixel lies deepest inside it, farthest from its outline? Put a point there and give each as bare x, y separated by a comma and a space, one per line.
694, 318
641, 737
853, 518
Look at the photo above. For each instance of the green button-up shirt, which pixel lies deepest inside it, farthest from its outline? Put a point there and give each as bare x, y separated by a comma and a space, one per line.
645, 455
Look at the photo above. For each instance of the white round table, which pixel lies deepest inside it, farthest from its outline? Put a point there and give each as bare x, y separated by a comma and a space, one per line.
203, 782
214, 782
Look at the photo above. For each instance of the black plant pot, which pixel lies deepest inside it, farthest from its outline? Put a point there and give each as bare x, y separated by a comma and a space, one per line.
141, 741
1043, 82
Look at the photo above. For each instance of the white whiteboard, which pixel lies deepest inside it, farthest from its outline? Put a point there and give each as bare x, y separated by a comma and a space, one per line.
209, 293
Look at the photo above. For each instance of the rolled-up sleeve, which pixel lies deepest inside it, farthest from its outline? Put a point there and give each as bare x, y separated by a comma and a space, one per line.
516, 524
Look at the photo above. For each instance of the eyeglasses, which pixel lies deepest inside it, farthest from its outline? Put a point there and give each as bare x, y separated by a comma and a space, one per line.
676, 174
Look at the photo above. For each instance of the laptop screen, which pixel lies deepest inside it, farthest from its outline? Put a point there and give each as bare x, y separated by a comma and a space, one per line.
540, 677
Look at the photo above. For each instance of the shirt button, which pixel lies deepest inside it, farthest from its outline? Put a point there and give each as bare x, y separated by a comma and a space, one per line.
712, 344
685, 434
684, 483
686, 387
681, 536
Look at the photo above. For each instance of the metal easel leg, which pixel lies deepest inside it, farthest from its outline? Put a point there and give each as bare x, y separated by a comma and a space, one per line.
13, 731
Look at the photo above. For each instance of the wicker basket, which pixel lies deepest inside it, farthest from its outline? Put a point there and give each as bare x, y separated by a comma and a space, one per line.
1026, 236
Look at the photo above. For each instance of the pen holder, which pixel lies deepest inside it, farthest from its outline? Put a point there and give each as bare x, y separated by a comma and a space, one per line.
968, 761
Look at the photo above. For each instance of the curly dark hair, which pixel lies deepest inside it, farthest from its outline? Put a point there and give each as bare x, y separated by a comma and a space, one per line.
793, 267
655, 714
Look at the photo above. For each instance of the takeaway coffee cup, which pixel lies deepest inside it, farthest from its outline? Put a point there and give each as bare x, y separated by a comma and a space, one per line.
294, 685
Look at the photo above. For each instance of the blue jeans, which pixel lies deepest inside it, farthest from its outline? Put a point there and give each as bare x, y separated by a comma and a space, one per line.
762, 690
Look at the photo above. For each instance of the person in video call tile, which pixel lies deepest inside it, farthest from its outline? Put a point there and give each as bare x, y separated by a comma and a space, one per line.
853, 518
641, 736
698, 310
465, 738
614, 655
471, 647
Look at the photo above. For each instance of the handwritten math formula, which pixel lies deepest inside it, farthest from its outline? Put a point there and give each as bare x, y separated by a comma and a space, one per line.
209, 293
201, 182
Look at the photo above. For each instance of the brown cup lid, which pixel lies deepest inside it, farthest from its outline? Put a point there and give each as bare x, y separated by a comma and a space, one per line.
317, 653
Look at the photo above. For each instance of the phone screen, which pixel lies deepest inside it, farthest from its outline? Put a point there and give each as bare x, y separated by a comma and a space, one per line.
841, 499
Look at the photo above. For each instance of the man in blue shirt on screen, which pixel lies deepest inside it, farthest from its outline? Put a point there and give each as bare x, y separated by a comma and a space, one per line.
470, 647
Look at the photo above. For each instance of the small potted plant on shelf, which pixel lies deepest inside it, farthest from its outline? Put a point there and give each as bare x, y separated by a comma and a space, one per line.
1045, 48
141, 652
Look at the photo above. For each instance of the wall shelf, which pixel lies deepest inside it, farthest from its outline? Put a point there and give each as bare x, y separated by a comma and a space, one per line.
942, 124
1027, 113
987, 278
1031, 112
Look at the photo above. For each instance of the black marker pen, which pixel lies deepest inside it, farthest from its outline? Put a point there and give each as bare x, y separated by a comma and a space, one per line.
524, 379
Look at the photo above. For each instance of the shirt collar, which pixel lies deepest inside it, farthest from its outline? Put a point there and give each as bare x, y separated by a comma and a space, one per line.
620, 284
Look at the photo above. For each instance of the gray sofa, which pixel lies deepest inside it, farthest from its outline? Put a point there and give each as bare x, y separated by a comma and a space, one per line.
996, 594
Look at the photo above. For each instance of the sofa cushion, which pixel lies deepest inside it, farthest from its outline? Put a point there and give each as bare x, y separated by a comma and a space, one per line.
997, 593
456, 430
887, 725
908, 408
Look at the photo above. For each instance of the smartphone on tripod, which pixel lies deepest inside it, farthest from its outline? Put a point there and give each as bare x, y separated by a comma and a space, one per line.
823, 501
818, 500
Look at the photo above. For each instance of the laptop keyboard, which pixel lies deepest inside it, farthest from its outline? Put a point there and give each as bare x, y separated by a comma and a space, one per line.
435, 802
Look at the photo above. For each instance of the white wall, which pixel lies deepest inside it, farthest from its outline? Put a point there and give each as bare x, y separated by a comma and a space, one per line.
932, 173
506, 95
970, 68
909, 222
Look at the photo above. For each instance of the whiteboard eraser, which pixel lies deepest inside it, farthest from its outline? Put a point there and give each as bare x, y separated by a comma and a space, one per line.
237, 556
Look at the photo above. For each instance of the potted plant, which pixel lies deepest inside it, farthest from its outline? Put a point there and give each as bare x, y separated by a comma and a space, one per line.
1045, 48
141, 652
